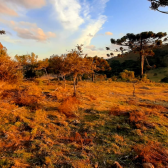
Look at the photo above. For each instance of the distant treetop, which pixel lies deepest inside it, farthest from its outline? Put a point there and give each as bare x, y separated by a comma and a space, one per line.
2, 31
155, 4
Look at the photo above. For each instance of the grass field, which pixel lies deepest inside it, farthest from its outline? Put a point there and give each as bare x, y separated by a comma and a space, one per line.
157, 74
43, 125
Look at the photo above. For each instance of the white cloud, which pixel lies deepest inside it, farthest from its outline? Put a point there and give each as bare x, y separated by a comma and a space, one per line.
86, 9
7, 11
93, 53
92, 28
29, 4
76, 15
101, 49
8, 38
13, 7
81, 21
91, 47
27, 30
68, 12
109, 33
90, 35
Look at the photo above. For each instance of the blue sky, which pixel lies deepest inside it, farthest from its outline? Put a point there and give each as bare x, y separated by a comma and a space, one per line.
48, 27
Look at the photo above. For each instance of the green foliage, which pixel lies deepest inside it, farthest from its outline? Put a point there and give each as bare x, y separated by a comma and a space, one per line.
2, 32
165, 80
155, 4
142, 43
155, 74
31, 67
161, 57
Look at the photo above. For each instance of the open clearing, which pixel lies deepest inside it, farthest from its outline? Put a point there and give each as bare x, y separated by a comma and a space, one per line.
42, 125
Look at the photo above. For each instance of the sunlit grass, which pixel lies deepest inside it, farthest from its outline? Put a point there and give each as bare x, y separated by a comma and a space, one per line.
101, 125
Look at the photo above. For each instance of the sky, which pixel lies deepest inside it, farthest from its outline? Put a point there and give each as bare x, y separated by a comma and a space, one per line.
48, 27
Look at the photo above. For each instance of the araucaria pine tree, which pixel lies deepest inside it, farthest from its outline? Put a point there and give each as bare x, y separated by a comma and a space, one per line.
142, 43
155, 4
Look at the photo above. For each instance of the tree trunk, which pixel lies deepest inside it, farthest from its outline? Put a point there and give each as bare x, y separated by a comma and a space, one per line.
93, 77
142, 64
48, 80
45, 71
74, 86
64, 81
76, 81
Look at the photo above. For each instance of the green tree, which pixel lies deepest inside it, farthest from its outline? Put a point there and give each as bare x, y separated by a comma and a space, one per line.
142, 43
59, 65
78, 65
29, 63
98, 64
155, 4
2, 32
42, 65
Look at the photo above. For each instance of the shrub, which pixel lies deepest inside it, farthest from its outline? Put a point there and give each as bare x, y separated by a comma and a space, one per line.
101, 77
86, 76
165, 80
26, 96
118, 111
153, 153
69, 106
114, 78
127, 75
145, 79
9, 69
137, 116
155, 74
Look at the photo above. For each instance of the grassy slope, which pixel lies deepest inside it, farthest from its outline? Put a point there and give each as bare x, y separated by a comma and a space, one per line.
161, 71
130, 56
109, 119
157, 74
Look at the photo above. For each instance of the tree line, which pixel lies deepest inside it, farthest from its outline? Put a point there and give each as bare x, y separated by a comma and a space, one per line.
72, 64
143, 43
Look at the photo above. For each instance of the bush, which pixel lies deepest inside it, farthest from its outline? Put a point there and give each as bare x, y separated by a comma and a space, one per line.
114, 78
24, 96
86, 76
165, 80
145, 79
153, 153
127, 75
101, 77
9, 69
69, 106
155, 74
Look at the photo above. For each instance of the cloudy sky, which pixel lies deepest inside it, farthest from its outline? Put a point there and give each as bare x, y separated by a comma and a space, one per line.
48, 27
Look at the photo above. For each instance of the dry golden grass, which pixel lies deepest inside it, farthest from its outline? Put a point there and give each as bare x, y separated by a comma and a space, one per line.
43, 125
154, 153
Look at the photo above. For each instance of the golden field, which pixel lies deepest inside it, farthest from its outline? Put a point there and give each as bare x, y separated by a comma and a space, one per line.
43, 125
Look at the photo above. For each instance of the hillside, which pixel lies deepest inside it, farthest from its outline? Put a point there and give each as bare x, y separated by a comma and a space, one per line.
133, 56
131, 62
42, 125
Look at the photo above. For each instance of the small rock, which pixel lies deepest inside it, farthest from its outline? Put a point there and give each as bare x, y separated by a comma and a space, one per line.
76, 122
147, 165
116, 165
